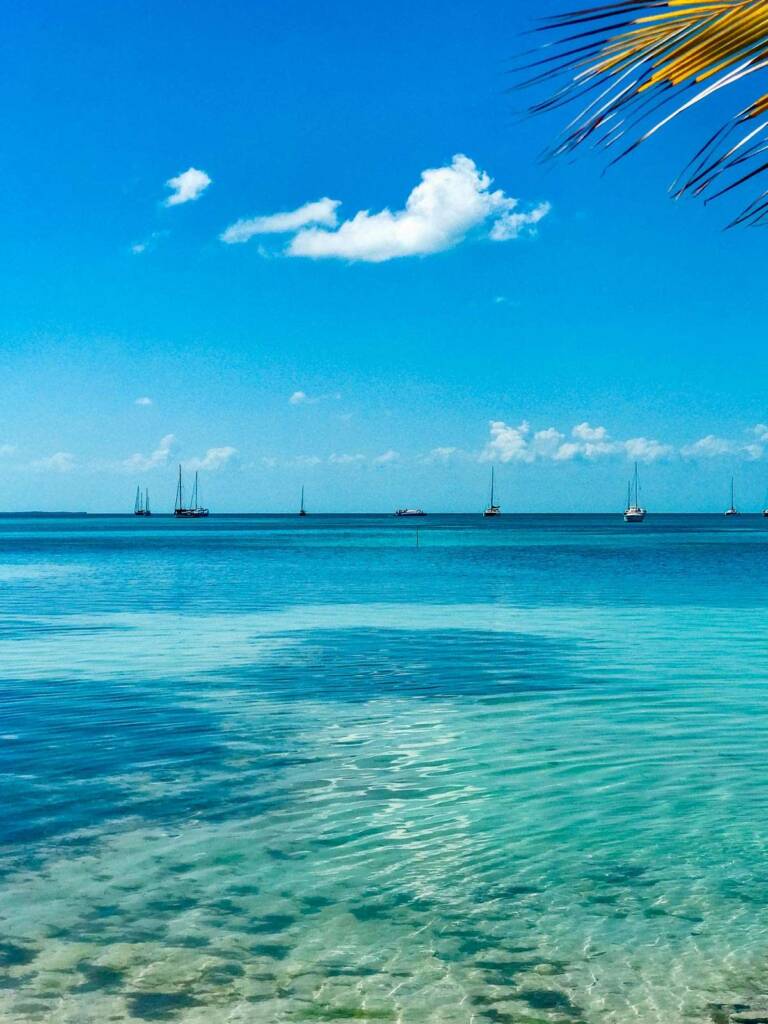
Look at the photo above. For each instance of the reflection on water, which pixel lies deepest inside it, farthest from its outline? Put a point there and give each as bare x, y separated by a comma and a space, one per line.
516, 775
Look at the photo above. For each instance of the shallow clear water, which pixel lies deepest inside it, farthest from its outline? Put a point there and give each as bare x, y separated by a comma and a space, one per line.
269, 769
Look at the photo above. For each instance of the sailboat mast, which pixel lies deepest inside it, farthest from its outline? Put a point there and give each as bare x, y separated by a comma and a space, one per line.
637, 489
302, 499
179, 493
136, 502
195, 502
732, 505
492, 482
146, 501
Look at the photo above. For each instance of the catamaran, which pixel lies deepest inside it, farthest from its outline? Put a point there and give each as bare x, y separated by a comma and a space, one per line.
633, 512
493, 509
302, 510
192, 511
141, 504
732, 510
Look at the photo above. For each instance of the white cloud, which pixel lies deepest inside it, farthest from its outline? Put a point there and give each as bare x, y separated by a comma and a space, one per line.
187, 186
711, 447
517, 444
513, 225
159, 457
143, 401
545, 444
214, 458
584, 432
307, 461
302, 398
61, 462
148, 243
641, 449
507, 444
386, 458
345, 460
321, 212
440, 211
443, 454
708, 447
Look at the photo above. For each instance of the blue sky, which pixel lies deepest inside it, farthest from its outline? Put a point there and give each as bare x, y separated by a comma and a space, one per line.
426, 345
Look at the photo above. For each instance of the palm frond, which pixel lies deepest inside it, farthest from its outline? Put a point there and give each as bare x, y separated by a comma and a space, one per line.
636, 65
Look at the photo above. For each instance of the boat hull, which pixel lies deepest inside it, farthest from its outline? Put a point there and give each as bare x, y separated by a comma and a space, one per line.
191, 513
491, 513
634, 517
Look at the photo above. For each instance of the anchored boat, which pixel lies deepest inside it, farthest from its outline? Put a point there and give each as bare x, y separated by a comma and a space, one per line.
732, 510
633, 512
141, 504
410, 512
493, 509
302, 510
192, 511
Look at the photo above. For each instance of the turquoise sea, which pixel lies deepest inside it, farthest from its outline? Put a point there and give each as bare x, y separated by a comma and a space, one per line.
263, 769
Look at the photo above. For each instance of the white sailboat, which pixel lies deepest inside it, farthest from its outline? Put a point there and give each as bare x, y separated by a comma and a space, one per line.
493, 509
633, 512
732, 510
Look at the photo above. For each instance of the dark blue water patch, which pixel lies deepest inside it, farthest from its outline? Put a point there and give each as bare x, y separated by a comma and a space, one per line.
86, 753
253, 564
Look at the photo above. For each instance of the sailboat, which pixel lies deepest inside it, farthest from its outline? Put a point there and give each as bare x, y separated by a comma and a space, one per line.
732, 510
192, 511
141, 504
302, 510
633, 512
493, 509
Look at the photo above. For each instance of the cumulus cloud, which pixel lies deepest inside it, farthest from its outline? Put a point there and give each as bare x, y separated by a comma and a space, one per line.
187, 186
322, 212
711, 447
440, 211
708, 447
507, 443
584, 432
214, 458
510, 443
159, 457
642, 449
144, 400
60, 462
513, 225
386, 458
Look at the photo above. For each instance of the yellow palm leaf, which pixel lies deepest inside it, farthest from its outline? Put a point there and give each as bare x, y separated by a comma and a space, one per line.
639, 64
